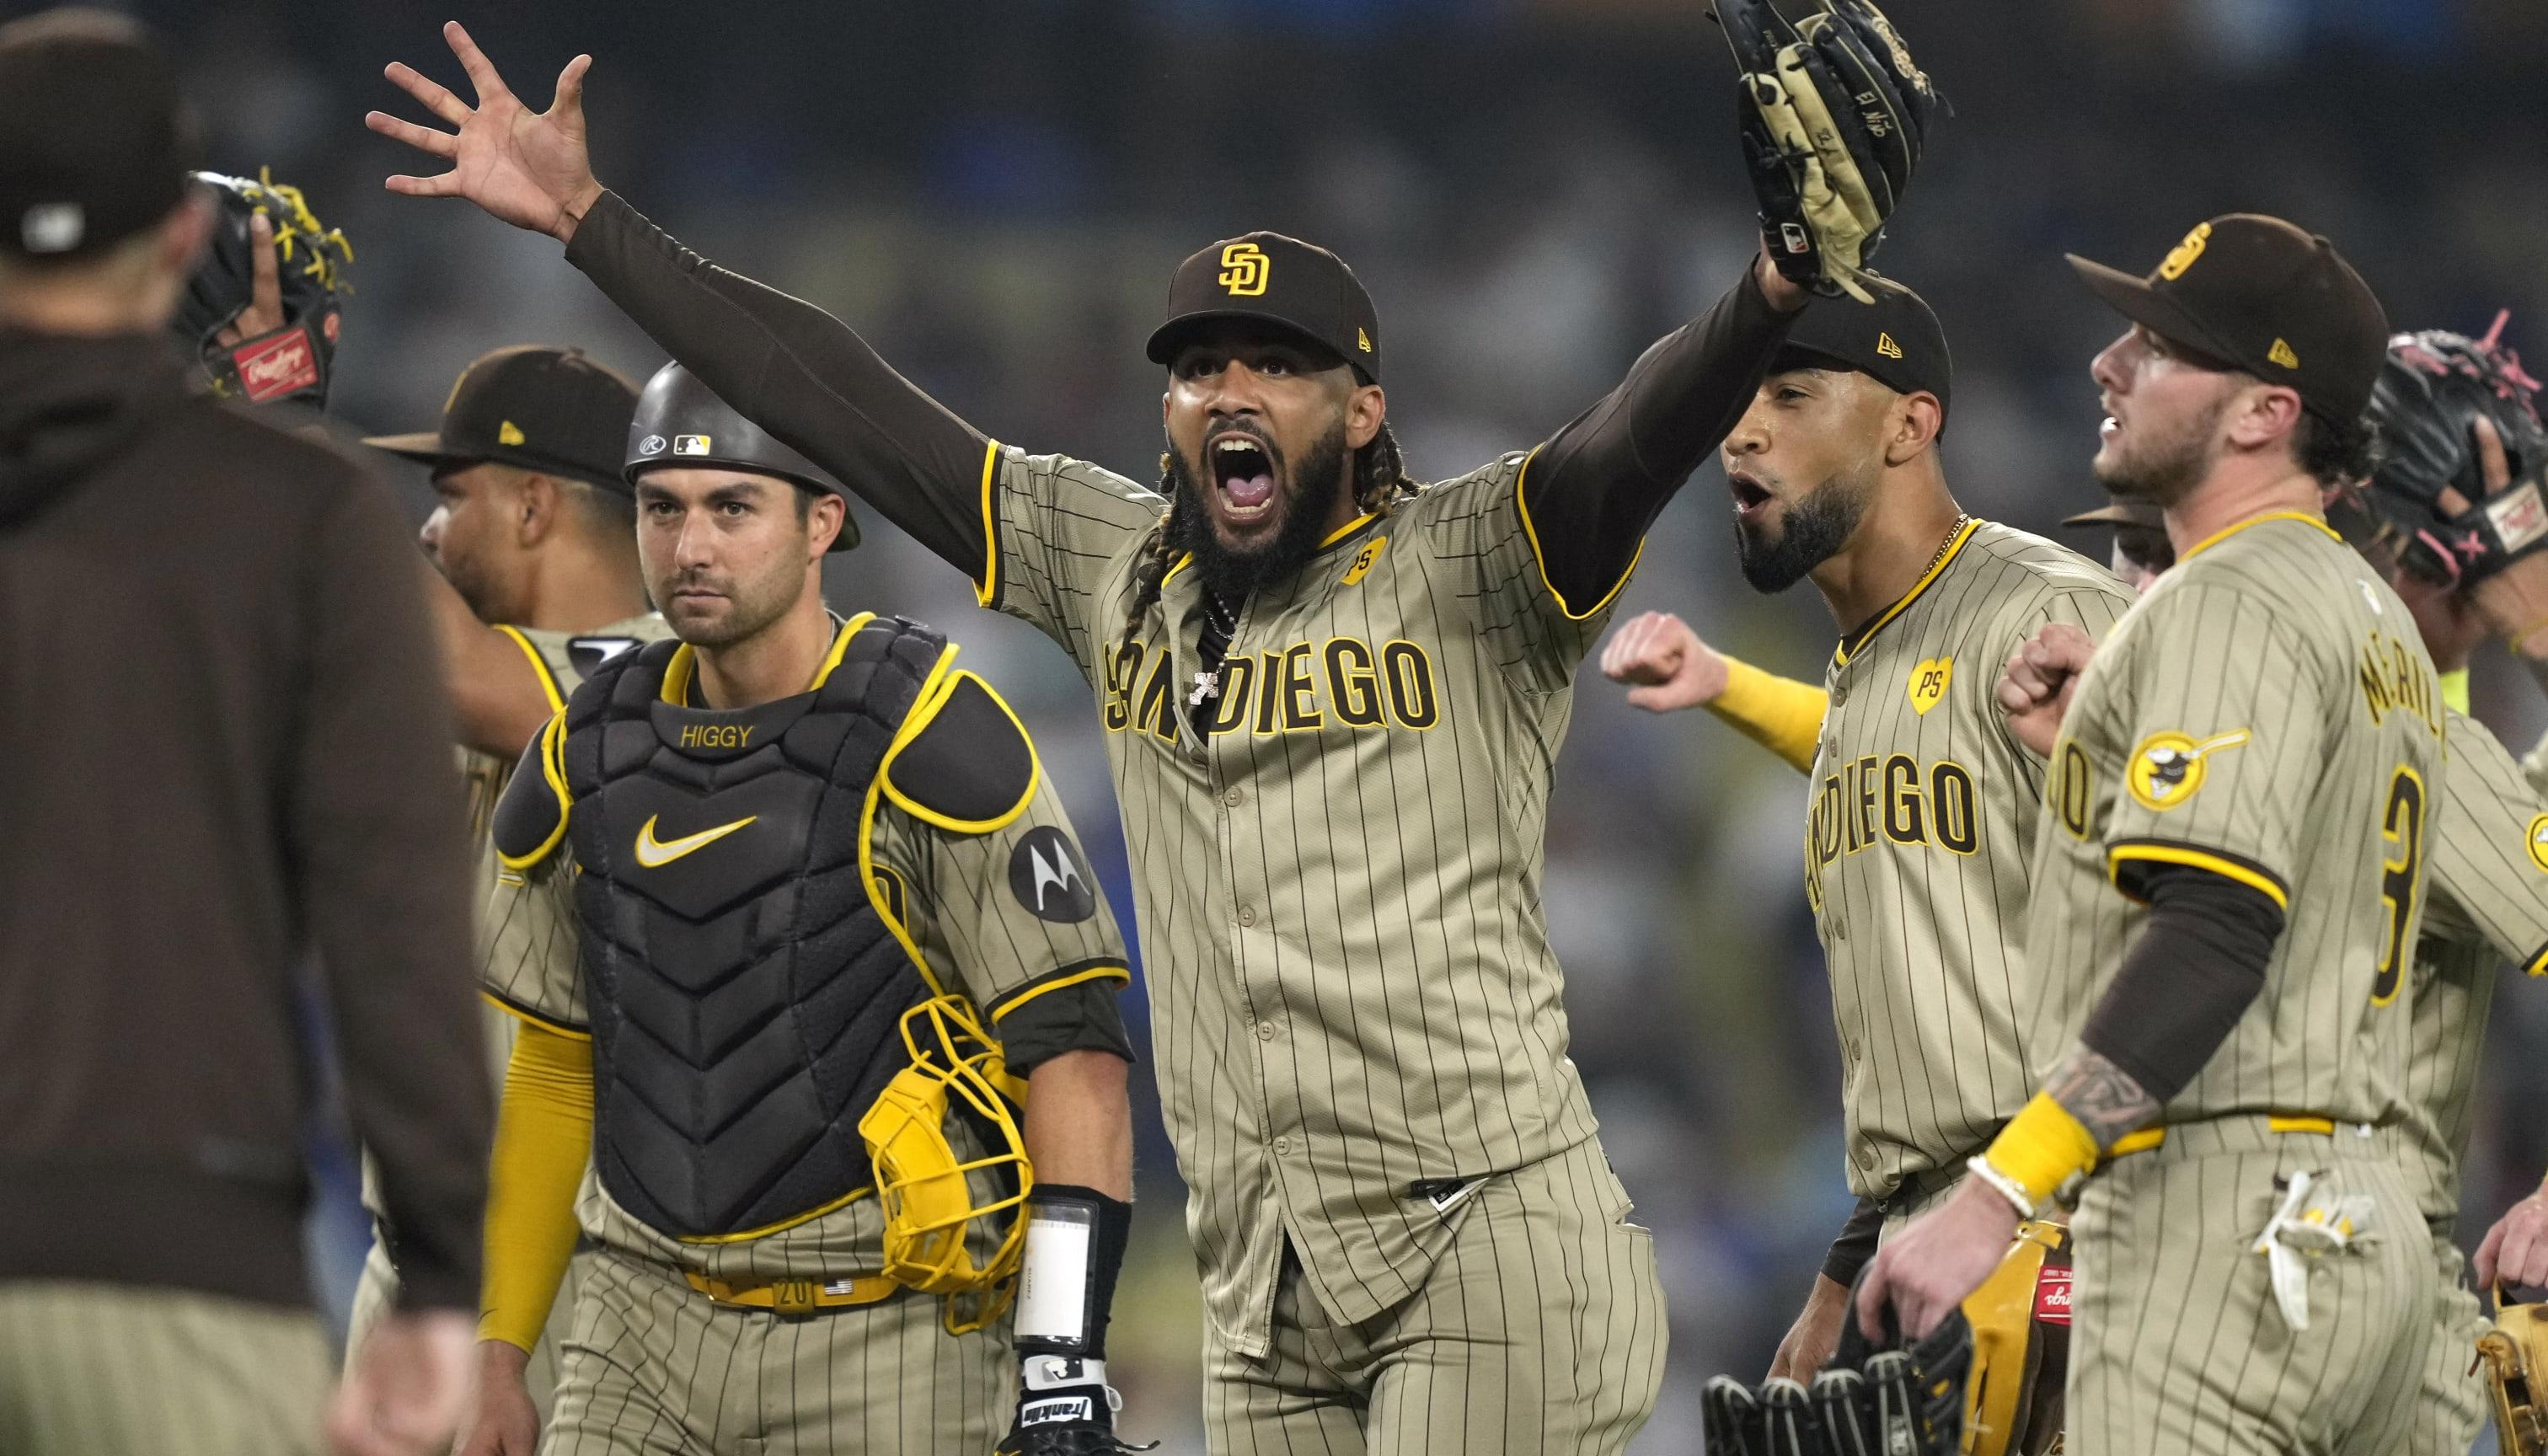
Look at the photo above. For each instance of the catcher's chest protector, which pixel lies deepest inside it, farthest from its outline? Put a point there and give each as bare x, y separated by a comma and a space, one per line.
744, 987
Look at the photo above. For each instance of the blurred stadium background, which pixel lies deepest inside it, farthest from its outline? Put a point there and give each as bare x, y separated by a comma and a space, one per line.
994, 193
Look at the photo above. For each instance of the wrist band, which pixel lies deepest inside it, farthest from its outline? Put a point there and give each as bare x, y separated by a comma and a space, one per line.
2002, 1184
2042, 1148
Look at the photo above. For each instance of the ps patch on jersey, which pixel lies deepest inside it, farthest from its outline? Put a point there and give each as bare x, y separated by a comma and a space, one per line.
2167, 768
1050, 879
1928, 685
2539, 843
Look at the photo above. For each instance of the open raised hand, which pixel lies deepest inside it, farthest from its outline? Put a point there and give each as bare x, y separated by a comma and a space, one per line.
527, 168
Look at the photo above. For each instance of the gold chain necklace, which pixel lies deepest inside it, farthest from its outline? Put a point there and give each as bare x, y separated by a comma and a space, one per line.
1952, 532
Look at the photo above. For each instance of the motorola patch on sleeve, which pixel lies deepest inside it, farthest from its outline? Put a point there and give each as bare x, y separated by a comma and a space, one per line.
1050, 879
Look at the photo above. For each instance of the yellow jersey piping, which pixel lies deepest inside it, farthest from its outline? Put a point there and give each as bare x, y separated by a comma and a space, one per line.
2220, 864
987, 590
2225, 532
1866, 634
1110, 971
1521, 504
539, 664
519, 1012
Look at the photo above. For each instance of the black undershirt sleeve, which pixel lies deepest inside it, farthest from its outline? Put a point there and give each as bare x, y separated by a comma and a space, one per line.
2197, 967
800, 374
1856, 1243
1595, 487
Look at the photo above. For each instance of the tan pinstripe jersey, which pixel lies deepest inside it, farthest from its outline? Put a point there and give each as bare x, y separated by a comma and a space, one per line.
559, 658
2267, 712
2488, 905
1352, 994
956, 906
555, 657
1918, 842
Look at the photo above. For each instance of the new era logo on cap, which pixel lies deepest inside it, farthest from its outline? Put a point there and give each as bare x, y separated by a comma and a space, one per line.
689, 444
2281, 353
1885, 345
509, 434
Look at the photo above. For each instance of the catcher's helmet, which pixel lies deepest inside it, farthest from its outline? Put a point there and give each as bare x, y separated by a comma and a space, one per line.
680, 423
294, 362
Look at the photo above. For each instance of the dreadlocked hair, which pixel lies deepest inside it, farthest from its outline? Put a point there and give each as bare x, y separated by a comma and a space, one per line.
1380, 487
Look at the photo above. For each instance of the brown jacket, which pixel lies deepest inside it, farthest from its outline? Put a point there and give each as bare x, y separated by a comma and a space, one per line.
225, 756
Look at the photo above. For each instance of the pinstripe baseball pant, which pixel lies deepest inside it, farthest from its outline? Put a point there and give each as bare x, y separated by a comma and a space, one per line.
2452, 1404
2180, 1348
105, 1368
1540, 1329
653, 1367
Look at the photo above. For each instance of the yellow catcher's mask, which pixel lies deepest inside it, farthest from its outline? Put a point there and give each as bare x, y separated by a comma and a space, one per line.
928, 1193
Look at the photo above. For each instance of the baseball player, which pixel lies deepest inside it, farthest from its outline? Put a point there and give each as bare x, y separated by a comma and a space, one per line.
1921, 821
225, 787
535, 542
793, 887
2226, 891
1330, 699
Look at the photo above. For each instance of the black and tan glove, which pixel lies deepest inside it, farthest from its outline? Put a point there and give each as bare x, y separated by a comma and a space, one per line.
1833, 115
1904, 1399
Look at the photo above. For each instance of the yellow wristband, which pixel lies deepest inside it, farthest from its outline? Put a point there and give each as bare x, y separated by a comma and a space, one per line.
1781, 714
2043, 1148
2455, 689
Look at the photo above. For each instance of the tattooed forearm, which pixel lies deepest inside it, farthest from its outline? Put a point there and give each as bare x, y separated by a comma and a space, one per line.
2101, 1095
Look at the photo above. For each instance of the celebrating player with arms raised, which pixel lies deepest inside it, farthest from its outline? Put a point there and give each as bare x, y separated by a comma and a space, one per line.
1923, 816
1331, 697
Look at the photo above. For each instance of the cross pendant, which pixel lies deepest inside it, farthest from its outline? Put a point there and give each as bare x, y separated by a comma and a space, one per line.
1205, 685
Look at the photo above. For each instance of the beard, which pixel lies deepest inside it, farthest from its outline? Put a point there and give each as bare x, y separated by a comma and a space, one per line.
1813, 530
1235, 574
751, 605
2163, 469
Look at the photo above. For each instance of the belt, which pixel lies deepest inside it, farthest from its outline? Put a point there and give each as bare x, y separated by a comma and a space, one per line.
793, 1296
1917, 1186
2276, 1122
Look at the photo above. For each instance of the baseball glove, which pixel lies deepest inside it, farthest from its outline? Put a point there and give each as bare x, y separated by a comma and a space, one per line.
2515, 1357
294, 360
2431, 392
1905, 1400
1833, 113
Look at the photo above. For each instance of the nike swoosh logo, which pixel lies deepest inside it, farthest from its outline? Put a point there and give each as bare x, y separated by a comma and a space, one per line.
654, 852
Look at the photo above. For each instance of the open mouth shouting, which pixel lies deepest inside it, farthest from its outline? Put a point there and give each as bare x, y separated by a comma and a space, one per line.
1243, 469
1751, 496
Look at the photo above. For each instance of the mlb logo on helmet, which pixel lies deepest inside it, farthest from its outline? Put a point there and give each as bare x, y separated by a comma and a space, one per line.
689, 444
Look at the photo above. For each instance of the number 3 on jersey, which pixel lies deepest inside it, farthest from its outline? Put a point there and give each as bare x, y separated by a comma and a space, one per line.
2402, 827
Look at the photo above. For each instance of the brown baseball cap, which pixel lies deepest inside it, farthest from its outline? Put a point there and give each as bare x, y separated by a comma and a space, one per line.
2260, 294
1896, 341
96, 143
1265, 277
2142, 513
542, 409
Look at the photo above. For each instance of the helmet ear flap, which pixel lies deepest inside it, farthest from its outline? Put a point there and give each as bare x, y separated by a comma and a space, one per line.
941, 1208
